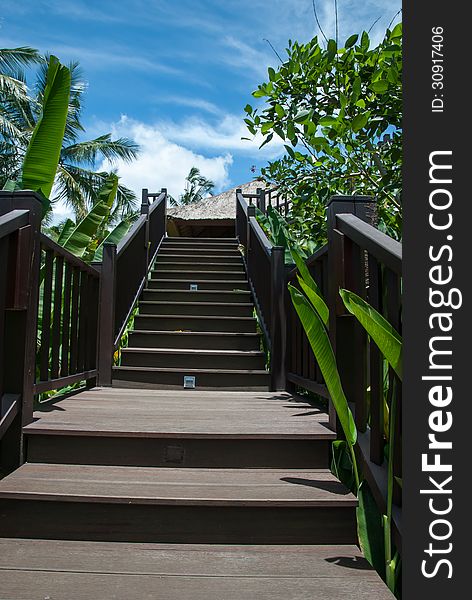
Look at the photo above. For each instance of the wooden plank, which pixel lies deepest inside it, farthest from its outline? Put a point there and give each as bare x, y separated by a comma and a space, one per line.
66, 317
193, 414
176, 487
296, 562
376, 372
46, 312
82, 318
79, 586
54, 384
74, 339
57, 314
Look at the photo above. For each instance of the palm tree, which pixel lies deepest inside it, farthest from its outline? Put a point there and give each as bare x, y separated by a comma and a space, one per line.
197, 187
77, 181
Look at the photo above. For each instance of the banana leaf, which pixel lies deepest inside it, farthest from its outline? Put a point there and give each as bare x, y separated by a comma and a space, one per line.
82, 235
321, 346
384, 335
370, 529
66, 230
81, 238
42, 155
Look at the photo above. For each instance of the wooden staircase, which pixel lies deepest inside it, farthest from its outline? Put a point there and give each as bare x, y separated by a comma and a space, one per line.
237, 482
196, 319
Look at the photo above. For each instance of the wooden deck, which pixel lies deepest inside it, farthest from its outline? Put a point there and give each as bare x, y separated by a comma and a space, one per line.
180, 494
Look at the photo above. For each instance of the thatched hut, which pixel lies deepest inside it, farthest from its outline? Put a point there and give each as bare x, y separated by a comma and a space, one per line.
212, 217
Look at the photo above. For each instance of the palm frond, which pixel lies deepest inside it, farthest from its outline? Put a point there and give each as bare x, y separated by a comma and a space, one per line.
104, 147
12, 59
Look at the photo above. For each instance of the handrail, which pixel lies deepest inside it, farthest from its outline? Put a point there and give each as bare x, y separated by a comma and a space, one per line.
240, 199
161, 197
12, 221
384, 248
261, 236
71, 258
129, 237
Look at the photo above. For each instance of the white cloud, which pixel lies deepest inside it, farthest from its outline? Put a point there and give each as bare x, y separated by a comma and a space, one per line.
163, 162
169, 150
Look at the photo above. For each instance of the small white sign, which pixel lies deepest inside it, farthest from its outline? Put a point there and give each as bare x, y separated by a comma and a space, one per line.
189, 382
193, 287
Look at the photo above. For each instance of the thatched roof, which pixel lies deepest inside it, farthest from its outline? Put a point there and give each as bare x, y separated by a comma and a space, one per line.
220, 207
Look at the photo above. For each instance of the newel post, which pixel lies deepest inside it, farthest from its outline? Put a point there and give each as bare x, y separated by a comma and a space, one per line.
19, 283
278, 322
145, 211
347, 268
106, 337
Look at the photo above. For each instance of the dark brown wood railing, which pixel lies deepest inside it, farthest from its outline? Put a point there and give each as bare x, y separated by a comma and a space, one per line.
67, 319
302, 368
266, 272
124, 274
357, 257
48, 318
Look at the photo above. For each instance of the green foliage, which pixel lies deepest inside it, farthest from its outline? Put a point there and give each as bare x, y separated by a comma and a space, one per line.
44, 148
339, 111
374, 528
384, 335
86, 238
22, 116
319, 341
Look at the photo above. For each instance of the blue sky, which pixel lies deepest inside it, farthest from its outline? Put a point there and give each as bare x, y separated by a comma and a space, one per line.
175, 75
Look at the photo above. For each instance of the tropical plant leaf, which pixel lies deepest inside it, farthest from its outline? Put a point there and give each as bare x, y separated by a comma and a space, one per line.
384, 335
114, 237
310, 287
82, 235
66, 230
341, 464
321, 346
43, 152
370, 529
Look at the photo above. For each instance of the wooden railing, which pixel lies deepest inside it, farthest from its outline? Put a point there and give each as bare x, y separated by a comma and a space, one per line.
270, 197
362, 259
48, 318
302, 368
67, 319
266, 272
124, 274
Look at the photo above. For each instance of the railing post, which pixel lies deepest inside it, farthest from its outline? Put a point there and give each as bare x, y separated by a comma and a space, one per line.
261, 200
346, 267
21, 278
237, 232
278, 319
251, 212
106, 341
145, 211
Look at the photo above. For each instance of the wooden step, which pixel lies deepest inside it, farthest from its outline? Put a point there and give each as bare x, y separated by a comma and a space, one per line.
215, 251
195, 323
207, 240
203, 284
182, 274
143, 504
84, 570
167, 256
217, 340
162, 266
211, 309
112, 426
197, 296
228, 360
205, 379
